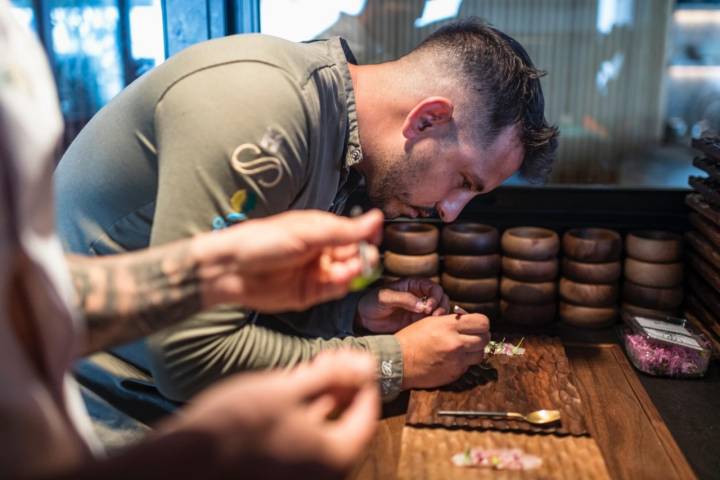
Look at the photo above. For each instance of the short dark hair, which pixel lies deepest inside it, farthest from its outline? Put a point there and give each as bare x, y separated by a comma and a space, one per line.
509, 85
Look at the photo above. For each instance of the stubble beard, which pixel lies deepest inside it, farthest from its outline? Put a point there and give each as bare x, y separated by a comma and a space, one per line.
391, 185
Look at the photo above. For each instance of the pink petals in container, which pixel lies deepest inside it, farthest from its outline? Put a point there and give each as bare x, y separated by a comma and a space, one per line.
665, 347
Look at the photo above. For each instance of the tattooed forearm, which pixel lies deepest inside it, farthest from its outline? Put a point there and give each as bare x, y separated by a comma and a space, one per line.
128, 296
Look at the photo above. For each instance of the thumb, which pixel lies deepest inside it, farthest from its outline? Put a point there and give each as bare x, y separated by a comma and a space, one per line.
405, 300
336, 230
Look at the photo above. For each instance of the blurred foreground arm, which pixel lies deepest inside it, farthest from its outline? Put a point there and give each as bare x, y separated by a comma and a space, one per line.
265, 426
285, 262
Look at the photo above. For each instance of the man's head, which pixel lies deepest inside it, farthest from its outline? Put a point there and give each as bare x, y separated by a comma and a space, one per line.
452, 119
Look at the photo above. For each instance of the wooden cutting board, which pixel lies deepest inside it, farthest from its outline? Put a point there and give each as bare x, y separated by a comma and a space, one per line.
564, 458
539, 379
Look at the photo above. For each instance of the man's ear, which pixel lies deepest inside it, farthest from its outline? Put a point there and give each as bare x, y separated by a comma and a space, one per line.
428, 113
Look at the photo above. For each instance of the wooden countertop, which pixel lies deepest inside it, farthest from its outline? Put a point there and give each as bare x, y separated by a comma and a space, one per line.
646, 427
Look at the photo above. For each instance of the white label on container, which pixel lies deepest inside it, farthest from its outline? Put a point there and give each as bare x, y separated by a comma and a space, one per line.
670, 337
660, 325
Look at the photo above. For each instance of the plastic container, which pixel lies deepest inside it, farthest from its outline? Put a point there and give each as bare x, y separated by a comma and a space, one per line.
667, 347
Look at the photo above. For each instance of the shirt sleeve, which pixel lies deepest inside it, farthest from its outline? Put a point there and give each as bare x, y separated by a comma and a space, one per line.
187, 358
232, 145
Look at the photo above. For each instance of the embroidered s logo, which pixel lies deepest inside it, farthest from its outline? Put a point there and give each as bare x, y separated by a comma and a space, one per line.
265, 171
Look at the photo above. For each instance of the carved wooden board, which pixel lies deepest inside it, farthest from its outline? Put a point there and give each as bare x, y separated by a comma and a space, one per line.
709, 230
703, 248
426, 454
696, 202
708, 166
702, 268
707, 188
708, 300
709, 146
540, 379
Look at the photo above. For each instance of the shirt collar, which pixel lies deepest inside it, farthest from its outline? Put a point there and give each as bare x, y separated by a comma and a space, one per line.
343, 55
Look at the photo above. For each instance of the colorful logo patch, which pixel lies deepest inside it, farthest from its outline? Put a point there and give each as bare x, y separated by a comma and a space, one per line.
242, 203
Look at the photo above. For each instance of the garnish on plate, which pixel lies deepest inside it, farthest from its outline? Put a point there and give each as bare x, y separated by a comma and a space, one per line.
501, 348
497, 459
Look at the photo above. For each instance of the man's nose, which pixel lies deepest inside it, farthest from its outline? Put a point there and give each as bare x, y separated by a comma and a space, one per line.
449, 208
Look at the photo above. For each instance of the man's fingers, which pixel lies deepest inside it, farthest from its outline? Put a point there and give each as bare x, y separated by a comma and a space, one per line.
405, 300
343, 252
342, 264
443, 307
445, 303
473, 324
329, 229
473, 358
434, 293
320, 408
339, 272
474, 343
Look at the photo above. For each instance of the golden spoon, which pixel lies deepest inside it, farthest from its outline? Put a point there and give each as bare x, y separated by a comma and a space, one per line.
539, 417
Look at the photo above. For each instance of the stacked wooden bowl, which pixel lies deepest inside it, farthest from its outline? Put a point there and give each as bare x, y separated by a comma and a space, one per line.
529, 268
591, 271
653, 273
410, 251
471, 266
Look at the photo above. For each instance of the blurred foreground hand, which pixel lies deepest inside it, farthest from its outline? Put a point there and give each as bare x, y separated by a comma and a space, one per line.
310, 422
289, 261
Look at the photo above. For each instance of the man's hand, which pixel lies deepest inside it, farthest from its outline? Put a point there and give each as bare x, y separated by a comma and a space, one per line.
438, 350
311, 422
400, 303
289, 261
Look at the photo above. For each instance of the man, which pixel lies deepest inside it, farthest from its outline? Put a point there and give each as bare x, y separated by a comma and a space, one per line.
249, 126
265, 425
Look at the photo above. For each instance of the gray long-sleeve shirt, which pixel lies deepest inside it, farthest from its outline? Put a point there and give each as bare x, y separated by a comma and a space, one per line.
235, 128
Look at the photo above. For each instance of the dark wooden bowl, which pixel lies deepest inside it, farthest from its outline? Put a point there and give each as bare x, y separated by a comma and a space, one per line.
410, 238
530, 270
529, 315
527, 293
411, 265
654, 298
588, 294
592, 244
472, 266
530, 243
588, 317
469, 239
476, 290
591, 272
656, 246
658, 275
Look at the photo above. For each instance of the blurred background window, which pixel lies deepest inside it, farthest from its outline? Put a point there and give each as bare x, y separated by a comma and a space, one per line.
629, 81
95, 49
23, 10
